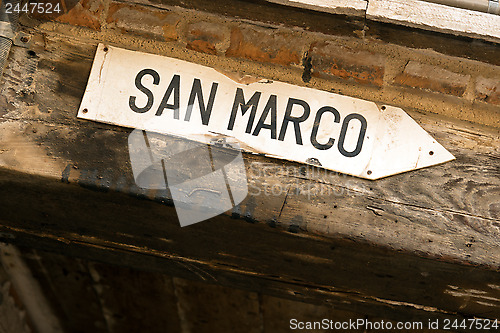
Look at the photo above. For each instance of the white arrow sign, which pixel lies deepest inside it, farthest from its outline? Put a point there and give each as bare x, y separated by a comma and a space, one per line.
336, 132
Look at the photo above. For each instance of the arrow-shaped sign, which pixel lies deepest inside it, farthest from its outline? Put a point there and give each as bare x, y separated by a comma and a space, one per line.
336, 132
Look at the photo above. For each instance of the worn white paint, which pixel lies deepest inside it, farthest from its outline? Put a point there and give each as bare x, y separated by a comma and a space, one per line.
436, 17
392, 143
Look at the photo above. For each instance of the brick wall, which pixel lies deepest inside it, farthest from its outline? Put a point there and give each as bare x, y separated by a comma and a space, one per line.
350, 64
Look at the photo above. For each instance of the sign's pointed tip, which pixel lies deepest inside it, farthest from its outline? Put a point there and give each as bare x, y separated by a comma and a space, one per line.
425, 158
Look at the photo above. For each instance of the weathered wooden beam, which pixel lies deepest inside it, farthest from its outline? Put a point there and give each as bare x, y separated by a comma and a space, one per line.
42, 136
421, 244
102, 298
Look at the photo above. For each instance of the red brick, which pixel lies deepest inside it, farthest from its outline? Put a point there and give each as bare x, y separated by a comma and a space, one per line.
204, 36
84, 13
143, 21
432, 78
265, 46
488, 90
334, 61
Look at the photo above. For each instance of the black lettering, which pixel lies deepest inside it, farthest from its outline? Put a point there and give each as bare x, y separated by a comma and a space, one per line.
314, 133
361, 136
295, 120
146, 91
239, 101
270, 106
175, 87
205, 111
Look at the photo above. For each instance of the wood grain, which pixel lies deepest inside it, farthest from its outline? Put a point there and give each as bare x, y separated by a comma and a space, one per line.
133, 301
67, 285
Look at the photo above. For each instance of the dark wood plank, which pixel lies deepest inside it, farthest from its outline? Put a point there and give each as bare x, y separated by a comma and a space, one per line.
340, 25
